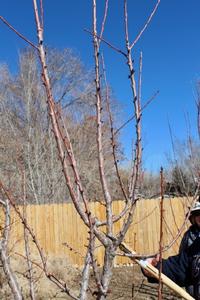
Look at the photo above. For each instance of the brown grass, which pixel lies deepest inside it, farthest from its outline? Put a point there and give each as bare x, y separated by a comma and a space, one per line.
127, 283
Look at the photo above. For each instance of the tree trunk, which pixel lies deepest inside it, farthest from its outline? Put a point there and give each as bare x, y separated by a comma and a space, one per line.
107, 272
12, 281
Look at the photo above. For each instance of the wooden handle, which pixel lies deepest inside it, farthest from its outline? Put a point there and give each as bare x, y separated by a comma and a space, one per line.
155, 273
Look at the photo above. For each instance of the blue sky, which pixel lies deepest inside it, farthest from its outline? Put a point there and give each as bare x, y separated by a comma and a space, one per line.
171, 58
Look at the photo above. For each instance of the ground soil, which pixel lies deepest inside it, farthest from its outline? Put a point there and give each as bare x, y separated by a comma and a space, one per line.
127, 283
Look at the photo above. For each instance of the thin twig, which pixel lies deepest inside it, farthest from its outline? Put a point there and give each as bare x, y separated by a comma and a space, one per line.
113, 143
18, 33
107, 43
133, 117
146, 25
182, 227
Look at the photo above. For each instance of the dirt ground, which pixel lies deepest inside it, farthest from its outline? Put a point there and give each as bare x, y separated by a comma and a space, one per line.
127, 283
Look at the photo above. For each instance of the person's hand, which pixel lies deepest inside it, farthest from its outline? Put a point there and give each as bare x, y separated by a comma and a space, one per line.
152, 261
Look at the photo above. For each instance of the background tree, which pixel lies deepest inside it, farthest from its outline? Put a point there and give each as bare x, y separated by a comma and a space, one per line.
26, 132
183, 172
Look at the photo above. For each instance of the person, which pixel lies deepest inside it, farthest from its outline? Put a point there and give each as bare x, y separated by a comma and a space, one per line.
184, 268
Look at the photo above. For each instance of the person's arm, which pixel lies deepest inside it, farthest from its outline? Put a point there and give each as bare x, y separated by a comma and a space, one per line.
174, 267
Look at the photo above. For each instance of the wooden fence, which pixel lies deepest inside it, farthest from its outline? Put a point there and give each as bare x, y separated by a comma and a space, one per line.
58, 225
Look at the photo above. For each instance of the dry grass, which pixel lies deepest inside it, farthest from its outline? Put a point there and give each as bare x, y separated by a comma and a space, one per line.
127, 282
44, 288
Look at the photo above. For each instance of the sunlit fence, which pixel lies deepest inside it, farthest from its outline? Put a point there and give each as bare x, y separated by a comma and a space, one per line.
59, 229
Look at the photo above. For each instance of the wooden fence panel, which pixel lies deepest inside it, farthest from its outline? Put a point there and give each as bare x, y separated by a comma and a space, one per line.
58, 227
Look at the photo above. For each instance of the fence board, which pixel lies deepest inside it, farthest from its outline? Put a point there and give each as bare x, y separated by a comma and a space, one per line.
56, 224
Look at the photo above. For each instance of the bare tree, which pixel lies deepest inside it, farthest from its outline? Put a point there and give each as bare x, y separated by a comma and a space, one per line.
26, 131
183, 173
71, 168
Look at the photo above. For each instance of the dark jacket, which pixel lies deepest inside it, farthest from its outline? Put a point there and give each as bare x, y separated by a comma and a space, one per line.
184, 268
179, 267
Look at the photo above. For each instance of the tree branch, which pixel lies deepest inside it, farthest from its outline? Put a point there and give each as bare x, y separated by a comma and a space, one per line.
18, 33
146, 25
